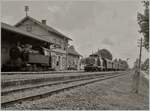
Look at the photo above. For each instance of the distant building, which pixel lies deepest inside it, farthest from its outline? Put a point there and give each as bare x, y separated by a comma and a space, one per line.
73, 59
58, 42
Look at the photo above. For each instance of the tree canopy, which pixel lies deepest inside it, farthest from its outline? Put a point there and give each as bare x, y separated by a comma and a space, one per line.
105, 54
83, 61
143, 21
125, 64
145, 65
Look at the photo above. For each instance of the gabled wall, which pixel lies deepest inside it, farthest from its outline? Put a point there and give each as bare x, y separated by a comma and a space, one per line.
40, 31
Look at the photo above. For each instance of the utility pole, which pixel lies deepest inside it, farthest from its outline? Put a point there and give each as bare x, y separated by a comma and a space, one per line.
140, 54
138, 70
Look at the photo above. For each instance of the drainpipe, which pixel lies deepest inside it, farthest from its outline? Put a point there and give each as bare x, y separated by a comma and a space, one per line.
67, 54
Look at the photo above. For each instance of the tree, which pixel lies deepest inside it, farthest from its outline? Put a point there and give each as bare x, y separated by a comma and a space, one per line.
115, 60
143, 21
136, 64
125, 64
105, 54
83, 61
145, 65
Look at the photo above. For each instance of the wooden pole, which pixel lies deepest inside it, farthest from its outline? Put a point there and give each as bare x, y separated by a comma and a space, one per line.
140, 54
138, 69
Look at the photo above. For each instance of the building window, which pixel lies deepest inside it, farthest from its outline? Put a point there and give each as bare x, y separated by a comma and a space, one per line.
54, 60
54, 41
58, 61
60, 44
65, 46
64, 61
28, 27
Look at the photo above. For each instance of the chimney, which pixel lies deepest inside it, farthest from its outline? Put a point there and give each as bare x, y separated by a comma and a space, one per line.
44, 22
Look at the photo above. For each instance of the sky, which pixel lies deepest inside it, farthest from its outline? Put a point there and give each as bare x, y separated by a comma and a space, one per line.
92, 24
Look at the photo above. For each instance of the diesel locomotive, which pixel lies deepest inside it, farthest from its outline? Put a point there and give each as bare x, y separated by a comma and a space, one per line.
97, 63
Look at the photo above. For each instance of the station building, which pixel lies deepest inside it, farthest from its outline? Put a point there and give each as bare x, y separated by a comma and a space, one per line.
58, 42
33, 32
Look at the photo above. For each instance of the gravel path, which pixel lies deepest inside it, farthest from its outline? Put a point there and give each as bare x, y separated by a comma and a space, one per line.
113, 94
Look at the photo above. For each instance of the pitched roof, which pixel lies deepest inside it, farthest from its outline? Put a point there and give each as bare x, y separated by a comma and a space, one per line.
71, 50
44, 26
22, 32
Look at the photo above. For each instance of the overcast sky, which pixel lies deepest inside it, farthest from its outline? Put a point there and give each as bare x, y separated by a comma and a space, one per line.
110, 24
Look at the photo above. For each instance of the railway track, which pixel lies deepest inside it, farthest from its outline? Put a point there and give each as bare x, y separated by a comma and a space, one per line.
15, 79
40, 91
49, 81
6, 92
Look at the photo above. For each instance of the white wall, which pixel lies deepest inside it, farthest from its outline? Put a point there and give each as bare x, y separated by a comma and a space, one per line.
40, 31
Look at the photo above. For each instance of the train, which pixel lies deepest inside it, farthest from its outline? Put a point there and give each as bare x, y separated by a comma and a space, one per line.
27, 58
98, 63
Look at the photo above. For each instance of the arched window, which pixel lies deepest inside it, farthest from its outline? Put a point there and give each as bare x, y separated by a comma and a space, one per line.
54, 60
63, 61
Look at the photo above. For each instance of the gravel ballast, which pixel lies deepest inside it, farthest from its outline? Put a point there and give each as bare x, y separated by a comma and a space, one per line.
112, 94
